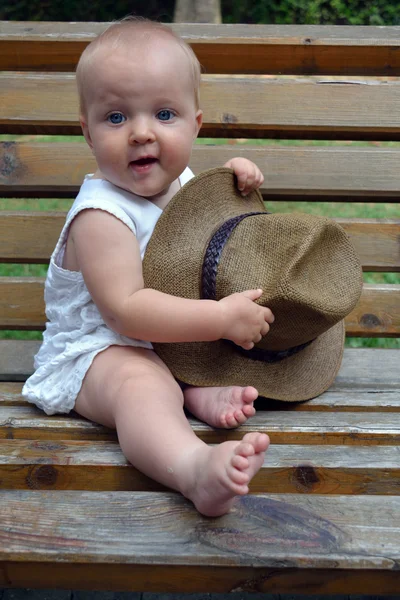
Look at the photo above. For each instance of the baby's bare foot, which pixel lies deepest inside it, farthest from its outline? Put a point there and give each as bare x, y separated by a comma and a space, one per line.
225, 407
220, 473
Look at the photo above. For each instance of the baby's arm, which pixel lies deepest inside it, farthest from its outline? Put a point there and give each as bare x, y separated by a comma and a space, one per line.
249, 176
109, 258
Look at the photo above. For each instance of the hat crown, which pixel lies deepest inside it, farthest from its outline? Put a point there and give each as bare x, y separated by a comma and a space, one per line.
309, 273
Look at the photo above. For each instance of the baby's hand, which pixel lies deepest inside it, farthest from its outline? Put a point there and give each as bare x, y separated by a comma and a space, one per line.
248, 174
245, 321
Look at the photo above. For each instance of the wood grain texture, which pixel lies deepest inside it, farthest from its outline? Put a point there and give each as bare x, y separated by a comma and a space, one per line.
343, 396
201, 578
16, 359
279, 107
304, 428
374, 370
101, 466
29, 237
338, 398
306, 173
288, 49
103, 527
376, 315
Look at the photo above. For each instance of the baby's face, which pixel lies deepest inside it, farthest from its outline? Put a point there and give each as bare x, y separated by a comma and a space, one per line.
141, 117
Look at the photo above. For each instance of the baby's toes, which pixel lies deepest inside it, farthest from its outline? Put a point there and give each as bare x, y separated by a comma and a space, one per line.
245, 449
240, 416
249, 394
231, 419
237, 476
239, 462
249, 410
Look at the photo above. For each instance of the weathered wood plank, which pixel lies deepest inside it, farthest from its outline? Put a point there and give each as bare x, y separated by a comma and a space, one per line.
163, 529
201, 578
28, 422
304, 428
279, 107
375, 238
16, 359
29, 237
386, 399
374, 370
101, 466
304, 173
22, 303
378, 312
376, 315
371, 369
288, 49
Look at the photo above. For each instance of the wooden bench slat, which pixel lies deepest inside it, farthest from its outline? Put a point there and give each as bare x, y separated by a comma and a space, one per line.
386, 400
16, 359
101, 466
376, 315
288, 49
374, 370
279, 107
378, 312
199, 578
30, 237
308, 172
139, 528
383, 400
360, 428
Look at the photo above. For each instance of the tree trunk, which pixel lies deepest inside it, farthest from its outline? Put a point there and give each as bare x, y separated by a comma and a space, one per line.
197, 11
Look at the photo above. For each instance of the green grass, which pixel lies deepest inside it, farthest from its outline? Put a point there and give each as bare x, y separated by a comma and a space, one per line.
329, 209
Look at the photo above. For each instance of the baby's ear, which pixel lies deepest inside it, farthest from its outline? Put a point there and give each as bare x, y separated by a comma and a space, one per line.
199, 122
85, 131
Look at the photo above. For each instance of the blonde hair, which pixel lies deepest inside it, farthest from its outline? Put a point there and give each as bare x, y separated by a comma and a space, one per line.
121, 32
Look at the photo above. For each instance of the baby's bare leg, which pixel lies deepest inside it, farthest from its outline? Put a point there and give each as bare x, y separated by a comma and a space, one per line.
130, 389
225, 407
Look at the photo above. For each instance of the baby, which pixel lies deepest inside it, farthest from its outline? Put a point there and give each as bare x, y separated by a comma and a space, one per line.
138, 85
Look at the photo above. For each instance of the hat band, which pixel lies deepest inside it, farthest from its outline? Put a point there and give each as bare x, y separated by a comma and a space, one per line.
213, 255
209, 287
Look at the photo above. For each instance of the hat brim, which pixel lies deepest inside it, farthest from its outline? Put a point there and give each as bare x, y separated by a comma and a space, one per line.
299, 377
179, 241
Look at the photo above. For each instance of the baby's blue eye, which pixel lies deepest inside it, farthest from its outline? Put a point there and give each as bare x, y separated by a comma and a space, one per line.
116, 118
165, 115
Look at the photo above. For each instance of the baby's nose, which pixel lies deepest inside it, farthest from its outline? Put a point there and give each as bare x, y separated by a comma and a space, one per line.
141, 132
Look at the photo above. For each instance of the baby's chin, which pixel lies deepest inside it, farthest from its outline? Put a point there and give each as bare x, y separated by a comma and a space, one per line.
150, 192
161, 196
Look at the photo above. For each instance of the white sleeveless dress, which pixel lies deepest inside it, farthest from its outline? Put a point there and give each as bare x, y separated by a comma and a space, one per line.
76, 332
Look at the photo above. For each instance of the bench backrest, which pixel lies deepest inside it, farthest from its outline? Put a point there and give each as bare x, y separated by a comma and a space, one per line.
292, 82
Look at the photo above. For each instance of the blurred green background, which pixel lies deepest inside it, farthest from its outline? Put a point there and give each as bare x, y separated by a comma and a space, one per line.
333, 12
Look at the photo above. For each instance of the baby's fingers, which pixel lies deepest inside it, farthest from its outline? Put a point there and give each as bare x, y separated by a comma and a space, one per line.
242, 182
252, 294
264, 329
268, 315
247, 345
249, 185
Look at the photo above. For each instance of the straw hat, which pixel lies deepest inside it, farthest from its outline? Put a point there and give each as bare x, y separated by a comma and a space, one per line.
208, 244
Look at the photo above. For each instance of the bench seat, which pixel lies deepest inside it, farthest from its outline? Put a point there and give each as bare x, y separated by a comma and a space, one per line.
323, 513
153, 541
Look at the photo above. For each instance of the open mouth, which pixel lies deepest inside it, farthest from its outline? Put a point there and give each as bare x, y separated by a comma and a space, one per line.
147, 160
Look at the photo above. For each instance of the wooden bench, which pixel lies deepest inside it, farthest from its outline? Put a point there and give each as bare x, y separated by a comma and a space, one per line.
323, 515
